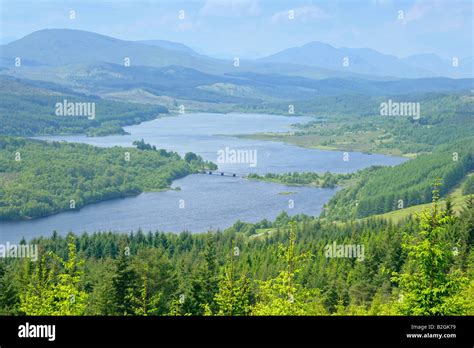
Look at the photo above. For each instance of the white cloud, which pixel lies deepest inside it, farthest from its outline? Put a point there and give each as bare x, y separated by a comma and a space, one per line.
303, 14
230, 8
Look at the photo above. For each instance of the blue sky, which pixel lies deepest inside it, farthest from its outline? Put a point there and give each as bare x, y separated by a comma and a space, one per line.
251, 28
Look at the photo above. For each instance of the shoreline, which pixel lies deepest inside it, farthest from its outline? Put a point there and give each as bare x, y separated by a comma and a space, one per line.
279, 138
171, 114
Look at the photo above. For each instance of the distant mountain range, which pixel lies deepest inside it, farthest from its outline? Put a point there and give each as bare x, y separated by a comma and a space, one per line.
58, 47
370, 62
165, 72
53, 47
178, 82
170, 45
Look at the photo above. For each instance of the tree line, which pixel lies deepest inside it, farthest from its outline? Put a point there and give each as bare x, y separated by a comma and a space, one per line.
39, 178
422, 266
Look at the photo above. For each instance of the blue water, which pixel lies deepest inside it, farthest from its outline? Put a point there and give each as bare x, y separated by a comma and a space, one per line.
203, 201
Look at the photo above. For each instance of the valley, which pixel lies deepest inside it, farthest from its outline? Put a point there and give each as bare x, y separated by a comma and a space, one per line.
208, 202
155, 179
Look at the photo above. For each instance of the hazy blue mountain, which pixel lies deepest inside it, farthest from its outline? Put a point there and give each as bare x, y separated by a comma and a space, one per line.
58, 47
366, 61
88, 62
7, 39
429, 60
173, 81
237, 87
10, 84
65, 46
335, 86
441, 66
170, 45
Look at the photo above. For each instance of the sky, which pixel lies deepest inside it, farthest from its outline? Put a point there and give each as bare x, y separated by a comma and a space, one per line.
256, 28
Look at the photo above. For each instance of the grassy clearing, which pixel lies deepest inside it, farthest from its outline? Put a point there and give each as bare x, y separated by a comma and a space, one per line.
457, 198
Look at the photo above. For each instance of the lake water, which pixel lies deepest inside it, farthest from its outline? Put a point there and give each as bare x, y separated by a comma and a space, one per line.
206, 201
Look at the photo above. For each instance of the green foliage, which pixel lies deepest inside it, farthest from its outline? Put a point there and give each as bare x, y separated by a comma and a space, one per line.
193, 274
141, 145
282, 295
314, 179
428, 285
234, 295
9, 300
382, 190
101, 274
353, 123
53, 291
204, 285
51, 177
124, 284
468, 187
36, 116
190, 156
144, 303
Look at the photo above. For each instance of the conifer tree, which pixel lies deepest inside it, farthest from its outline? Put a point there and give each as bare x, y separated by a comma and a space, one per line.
144, 303
234, 294
282, 295
204, 285
56, 292
429, 285
8, 290
124, 283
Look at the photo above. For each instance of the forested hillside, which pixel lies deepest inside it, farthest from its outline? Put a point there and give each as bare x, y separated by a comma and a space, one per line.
27, 110
40, 178
353, 123
349, 260
390, 188
419, 267
310, 179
